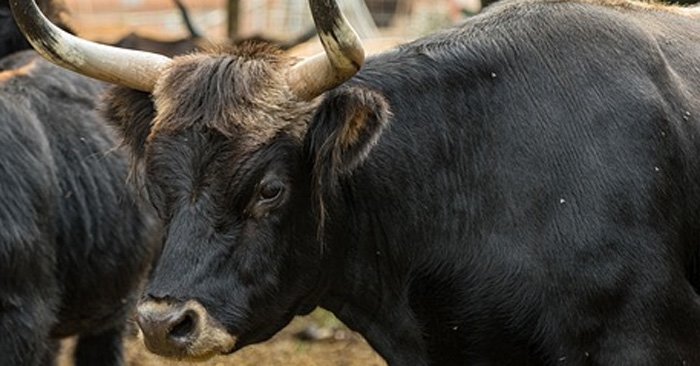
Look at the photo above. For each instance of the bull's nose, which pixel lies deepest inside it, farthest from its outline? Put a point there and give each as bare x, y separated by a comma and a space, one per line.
169, 329
182, 330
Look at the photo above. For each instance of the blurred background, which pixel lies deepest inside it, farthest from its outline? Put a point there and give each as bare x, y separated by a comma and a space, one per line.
110, 20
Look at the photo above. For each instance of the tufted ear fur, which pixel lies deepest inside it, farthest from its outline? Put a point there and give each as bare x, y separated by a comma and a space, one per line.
347, 124
131, 113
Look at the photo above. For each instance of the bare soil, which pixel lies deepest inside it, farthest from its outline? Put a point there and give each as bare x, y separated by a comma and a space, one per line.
337, 346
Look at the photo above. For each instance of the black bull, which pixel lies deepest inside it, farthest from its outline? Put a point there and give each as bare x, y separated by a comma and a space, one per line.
74, 243
521, 190
11, 40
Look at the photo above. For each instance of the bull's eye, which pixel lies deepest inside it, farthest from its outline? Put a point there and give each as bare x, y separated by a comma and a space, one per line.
270, 191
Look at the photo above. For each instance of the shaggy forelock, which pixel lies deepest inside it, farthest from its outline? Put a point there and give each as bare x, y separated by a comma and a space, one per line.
240, 92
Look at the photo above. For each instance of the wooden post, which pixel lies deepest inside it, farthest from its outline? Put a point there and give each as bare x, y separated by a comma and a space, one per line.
233, 12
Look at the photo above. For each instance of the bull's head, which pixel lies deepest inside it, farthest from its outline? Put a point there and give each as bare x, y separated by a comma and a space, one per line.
235, 150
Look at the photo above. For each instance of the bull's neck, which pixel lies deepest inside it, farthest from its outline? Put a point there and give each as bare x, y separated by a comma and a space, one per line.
366, 278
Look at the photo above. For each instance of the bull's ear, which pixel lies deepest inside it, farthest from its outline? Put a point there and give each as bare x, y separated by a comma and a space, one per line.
347, 124
131, 113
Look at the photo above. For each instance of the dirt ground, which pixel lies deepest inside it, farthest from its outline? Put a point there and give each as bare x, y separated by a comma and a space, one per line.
337, 346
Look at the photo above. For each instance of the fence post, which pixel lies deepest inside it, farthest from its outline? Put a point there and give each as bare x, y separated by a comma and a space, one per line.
233, 12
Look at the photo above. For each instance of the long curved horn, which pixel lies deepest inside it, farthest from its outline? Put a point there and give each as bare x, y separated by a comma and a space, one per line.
134, 69
343, 57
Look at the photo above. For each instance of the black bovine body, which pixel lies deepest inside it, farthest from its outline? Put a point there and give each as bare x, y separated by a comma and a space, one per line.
536, 197
532, 200
74, 243
11, 40
168, 48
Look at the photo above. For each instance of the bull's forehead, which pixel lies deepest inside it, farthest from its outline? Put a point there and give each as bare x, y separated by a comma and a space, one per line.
239, 92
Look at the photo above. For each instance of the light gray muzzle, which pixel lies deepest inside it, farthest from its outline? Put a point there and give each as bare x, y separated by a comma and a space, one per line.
182, 330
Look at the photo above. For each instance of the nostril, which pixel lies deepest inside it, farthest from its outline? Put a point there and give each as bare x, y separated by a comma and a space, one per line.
183, 328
